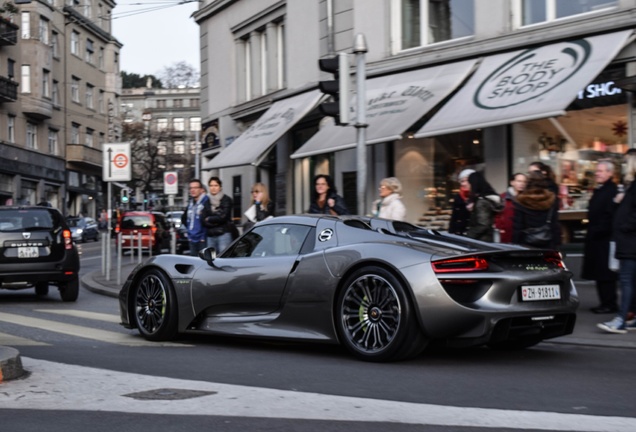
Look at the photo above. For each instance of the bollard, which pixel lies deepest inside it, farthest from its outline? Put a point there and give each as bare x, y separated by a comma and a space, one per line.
119, 253
132, 248
173, 241
104, 252
139, 247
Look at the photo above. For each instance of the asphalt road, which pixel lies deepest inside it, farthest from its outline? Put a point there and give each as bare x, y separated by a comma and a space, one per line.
86, 369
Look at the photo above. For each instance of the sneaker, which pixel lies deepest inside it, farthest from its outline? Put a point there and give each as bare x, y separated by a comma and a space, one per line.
631, 324
617, 325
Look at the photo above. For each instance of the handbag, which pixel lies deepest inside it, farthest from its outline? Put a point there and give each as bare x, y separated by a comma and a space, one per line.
540, 236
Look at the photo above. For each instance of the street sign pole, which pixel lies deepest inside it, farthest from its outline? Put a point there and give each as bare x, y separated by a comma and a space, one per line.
360, 49
110, 215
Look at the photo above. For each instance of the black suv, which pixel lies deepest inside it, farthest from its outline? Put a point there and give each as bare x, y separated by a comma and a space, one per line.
36, 249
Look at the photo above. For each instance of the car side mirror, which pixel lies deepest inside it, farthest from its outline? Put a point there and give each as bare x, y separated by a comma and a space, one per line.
208, 255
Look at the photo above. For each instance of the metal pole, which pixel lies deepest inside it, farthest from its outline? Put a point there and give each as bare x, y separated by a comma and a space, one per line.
197, 156
360, 49
104, 246
110, 213
119, 253
139, 248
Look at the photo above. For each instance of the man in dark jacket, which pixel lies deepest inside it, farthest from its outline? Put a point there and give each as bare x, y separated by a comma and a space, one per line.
600, 213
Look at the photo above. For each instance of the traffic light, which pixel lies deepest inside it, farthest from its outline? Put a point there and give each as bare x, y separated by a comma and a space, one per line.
124, 196
338, 88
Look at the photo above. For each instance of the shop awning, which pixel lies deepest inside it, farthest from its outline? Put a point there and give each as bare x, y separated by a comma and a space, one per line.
394, 104
252, 145
526, 84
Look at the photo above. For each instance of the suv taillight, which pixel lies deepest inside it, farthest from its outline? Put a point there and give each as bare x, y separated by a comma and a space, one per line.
68, 240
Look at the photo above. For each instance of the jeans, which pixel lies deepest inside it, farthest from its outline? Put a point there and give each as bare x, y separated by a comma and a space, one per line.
195, 247
220, 242
627, 278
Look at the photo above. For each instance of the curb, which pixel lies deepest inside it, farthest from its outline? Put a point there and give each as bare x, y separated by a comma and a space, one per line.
10, 364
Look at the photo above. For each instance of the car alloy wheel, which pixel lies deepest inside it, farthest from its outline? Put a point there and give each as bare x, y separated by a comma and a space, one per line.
154, 306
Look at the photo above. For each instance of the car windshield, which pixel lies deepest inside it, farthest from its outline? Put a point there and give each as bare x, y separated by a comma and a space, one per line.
74, 222
137, 221
25, 220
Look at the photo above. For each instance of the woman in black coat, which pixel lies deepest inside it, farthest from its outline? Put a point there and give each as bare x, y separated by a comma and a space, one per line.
325, 199
532, 209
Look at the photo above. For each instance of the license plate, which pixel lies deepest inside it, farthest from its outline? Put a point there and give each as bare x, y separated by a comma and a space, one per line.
540, 292
28, 252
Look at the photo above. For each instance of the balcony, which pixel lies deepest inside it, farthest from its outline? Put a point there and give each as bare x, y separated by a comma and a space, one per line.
8, 32
8, 90
81, 154
38, 109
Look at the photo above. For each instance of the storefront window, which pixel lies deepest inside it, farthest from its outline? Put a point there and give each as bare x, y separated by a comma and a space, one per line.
538, 11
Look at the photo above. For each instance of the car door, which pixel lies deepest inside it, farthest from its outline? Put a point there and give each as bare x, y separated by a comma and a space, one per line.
250, 278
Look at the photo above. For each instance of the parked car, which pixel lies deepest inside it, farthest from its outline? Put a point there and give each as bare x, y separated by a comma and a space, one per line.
83, 229
153, 227
383, 289
174, 217
36, 250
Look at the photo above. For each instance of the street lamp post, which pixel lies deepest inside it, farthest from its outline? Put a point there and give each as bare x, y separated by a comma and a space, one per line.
360, 50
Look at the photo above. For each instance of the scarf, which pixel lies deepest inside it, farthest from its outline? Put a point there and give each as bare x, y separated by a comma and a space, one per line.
215, 200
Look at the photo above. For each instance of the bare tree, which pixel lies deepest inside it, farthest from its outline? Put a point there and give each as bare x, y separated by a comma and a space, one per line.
179, 74
147, 161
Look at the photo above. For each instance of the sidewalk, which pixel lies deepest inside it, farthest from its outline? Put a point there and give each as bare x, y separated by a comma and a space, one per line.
585, 332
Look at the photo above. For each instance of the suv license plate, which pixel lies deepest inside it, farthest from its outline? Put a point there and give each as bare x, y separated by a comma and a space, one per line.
540, 292
28, 252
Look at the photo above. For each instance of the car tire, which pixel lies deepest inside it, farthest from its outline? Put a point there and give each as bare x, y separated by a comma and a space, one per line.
154, 306
69, 291
375, 319
41, 289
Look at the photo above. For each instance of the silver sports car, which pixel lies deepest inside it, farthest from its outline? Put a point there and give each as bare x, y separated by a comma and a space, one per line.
381, 288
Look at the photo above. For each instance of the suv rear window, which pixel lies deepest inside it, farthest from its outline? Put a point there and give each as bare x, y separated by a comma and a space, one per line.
25, 220
136, 222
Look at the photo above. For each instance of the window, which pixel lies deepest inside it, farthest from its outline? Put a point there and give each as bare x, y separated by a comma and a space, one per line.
177, 103
538, 11
195, 124
248, 70
26, 25
25, 83
75, 48
46, 83
100, 58
75, 129
89, 95
178, 124
55, 93
88, 9
10, 68
32, 135
11, 129
178, 147
55, 44
100, 102
75, 83
161, 148
194, 103
89, 137
44, 30
162, 124
161, 103
53, 141
445, 20
89, 51
100, 15
280, 55
263, 62
270, 241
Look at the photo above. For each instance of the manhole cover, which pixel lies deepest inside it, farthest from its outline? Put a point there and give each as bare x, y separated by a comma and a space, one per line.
169, 394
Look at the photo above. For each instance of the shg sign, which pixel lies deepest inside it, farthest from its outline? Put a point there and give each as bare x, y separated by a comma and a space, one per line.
116, 163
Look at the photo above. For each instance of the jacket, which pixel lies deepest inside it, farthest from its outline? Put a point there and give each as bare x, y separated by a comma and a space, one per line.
339, 207
217, 221
482, 217
625, 225
389, 207
503, 219
600, 213
531, 210
193, 217
459, 216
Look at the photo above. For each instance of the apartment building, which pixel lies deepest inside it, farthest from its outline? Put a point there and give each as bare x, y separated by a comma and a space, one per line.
61, 69
171, 120
451, 84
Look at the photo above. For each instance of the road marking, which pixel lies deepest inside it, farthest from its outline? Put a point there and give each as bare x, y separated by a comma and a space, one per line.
83, 331
83, 314
92, 389
11, 340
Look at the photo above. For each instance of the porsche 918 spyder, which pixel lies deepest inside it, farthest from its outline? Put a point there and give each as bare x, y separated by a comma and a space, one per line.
383, 289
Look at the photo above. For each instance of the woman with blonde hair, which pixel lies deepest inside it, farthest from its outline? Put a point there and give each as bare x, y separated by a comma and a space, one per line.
262, 207
624, 234
390, 205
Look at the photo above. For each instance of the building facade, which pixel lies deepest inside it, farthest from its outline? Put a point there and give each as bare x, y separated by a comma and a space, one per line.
171, 123
64, 67
487, 84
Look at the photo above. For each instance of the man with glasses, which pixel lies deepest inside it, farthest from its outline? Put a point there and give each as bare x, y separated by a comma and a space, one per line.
193, 216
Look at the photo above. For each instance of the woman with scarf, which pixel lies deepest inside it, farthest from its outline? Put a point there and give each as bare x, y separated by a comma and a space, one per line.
535, 208
218, 220
389, 206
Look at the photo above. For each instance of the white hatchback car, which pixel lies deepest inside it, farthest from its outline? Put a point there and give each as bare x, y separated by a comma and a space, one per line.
174, 218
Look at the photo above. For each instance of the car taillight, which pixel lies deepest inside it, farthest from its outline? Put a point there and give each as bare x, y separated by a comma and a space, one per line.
153, 229
117, 229
466, 264
555, 258
68, 240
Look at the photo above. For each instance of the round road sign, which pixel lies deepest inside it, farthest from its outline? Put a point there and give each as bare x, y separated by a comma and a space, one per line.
171, 178
120, 160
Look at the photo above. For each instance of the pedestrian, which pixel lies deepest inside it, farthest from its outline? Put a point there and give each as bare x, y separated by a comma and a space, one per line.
262, 207
503, 219
460, 214
534, 209
550, 177
103, 219
484, 203
218, 220
624, 234
600, 214
390, 205
325, 199
192, 217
